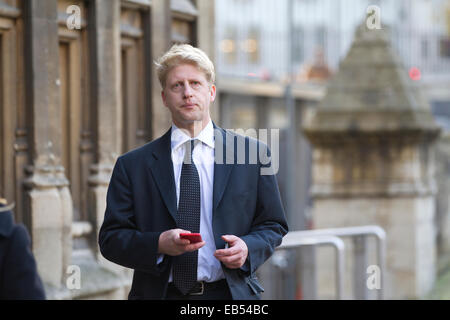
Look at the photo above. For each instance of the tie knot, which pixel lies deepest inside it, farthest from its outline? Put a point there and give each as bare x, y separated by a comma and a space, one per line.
189, 146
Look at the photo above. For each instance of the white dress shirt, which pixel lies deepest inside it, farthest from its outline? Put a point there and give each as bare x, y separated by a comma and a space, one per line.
209, 268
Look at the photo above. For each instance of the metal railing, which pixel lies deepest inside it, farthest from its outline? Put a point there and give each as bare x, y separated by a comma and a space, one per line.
308, 240
309, 275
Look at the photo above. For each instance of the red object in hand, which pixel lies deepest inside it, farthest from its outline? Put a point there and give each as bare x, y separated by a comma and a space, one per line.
192, 237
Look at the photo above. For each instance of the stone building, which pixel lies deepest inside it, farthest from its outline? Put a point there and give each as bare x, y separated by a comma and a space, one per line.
77, 89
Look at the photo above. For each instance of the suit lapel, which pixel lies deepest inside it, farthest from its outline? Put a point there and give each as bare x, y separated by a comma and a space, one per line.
222, 170
161, 168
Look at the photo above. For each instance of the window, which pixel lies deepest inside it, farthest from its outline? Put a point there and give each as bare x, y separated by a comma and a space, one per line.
298, 53
321, 37
228, 46
251, 45
445, 47
441, 112
184, 14
424, 48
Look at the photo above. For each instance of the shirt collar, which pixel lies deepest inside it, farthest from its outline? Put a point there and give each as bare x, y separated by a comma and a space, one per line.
178, 137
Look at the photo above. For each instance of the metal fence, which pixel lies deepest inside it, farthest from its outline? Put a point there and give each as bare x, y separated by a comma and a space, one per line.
281, 266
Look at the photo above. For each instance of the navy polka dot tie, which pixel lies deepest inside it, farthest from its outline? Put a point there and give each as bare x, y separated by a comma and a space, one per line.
188, 218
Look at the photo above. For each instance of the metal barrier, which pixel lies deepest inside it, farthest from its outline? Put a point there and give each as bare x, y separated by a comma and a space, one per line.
292, 240
313, 238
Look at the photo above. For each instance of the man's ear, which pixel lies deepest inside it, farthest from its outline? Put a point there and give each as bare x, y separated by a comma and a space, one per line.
163, 97
213, 93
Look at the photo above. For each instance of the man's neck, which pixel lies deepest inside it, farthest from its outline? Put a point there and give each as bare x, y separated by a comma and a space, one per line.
193, 129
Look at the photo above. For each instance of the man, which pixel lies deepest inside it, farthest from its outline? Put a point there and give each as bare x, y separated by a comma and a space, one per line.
189, 180
19, 279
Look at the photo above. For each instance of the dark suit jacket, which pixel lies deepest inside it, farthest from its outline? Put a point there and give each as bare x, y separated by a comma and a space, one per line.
18, 275
141, 204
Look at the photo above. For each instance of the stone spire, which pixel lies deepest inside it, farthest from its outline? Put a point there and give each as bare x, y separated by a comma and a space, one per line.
372, 92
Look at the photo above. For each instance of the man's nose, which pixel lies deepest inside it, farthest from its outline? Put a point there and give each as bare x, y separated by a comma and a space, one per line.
187, 90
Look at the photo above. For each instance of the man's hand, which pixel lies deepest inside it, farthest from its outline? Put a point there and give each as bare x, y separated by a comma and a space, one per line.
171, 244
234, 257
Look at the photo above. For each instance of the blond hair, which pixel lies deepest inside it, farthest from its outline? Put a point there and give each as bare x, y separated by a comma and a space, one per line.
184, 54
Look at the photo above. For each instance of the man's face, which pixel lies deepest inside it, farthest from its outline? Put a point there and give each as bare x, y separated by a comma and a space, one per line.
188, 95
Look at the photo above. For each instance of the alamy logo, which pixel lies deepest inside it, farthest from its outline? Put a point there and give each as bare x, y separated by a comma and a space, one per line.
373, 20
374, 280
74, 19
73, 281
239, 150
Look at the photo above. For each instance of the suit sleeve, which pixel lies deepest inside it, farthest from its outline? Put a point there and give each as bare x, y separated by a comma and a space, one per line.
269, 223
20, 279
120, 240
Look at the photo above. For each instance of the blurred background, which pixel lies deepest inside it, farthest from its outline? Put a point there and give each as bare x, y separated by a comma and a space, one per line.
359, 91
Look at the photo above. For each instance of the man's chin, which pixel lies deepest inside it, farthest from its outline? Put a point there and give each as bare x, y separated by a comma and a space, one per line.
190, 120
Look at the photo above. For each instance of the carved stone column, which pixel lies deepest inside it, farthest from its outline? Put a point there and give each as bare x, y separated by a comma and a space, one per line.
48, 198
106, 102
161, 20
